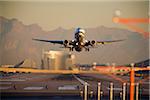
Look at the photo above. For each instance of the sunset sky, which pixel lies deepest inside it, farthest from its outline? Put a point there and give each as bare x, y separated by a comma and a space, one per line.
51, 14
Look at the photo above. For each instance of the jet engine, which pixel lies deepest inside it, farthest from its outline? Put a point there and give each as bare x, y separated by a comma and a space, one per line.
93, 43
66, 43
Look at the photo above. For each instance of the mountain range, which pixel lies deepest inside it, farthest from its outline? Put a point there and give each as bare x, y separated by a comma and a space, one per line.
16, 43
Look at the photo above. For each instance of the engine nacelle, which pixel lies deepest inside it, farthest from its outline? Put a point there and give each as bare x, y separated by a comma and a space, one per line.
66, 43
93, 43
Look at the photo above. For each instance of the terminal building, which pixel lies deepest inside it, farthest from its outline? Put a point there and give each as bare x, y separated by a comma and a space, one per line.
57, 60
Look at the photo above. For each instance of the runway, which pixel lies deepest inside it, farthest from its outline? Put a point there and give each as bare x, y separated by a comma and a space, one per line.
48, 84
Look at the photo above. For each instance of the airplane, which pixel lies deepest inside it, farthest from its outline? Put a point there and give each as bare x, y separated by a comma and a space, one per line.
79, 42
19, 64
14, 66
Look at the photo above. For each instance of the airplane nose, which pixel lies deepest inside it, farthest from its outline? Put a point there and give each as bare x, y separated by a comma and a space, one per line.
81, 34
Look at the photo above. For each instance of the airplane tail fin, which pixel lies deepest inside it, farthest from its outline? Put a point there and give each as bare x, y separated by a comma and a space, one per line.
19, 64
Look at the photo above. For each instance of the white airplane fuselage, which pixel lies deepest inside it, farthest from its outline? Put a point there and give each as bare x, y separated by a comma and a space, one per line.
80, 40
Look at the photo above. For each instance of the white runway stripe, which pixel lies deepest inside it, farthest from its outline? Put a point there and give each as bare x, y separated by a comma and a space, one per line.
33, 88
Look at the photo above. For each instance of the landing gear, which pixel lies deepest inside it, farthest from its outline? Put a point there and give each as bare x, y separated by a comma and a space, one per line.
71, 49
87, 49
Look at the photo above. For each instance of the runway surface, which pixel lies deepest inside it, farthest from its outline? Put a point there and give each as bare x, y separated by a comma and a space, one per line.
49, 85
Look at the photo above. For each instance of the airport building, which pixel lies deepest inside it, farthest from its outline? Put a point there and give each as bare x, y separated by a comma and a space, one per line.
57, 60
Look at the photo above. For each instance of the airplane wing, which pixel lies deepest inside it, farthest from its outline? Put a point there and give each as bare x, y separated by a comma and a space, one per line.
105, 42
50, 41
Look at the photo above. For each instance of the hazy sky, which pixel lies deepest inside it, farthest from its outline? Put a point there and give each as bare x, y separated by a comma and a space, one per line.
52, 14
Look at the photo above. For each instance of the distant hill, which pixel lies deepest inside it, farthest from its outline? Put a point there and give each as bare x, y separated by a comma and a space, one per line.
144, 63
16, 43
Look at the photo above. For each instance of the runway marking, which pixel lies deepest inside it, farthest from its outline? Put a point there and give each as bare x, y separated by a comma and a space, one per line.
146, 90
145, 82
68, 87
11, 80
116, 89
80, 80
5, 88
5, 83
33, 88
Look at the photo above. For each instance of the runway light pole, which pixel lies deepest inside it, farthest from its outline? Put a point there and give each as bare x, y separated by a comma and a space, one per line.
99, 91
111, 92
124, 91
14, 87
85, 90
81, 93
46, 87
132, 82
137, 91
91, 94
